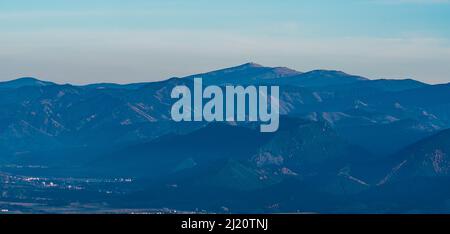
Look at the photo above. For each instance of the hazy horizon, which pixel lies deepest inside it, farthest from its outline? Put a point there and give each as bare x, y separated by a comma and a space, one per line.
139, 41
183, 76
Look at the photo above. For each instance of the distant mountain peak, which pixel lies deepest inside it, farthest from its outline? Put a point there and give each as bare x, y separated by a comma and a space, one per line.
27, 78
324, 72
24, 81
244, 66
250, 64
332, 74
286, 71
248, 73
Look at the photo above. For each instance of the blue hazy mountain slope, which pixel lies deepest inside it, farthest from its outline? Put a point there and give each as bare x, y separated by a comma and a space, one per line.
428, 157
415, 179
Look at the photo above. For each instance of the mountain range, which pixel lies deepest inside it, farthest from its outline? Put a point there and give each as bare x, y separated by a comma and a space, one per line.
346, 143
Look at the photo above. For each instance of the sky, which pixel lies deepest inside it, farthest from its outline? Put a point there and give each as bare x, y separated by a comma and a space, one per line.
90, 41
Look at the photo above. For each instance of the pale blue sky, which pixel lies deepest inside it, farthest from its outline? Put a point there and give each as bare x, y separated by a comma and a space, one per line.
87, 41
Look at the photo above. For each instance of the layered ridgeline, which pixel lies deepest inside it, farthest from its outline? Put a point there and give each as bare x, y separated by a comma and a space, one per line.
344, 141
